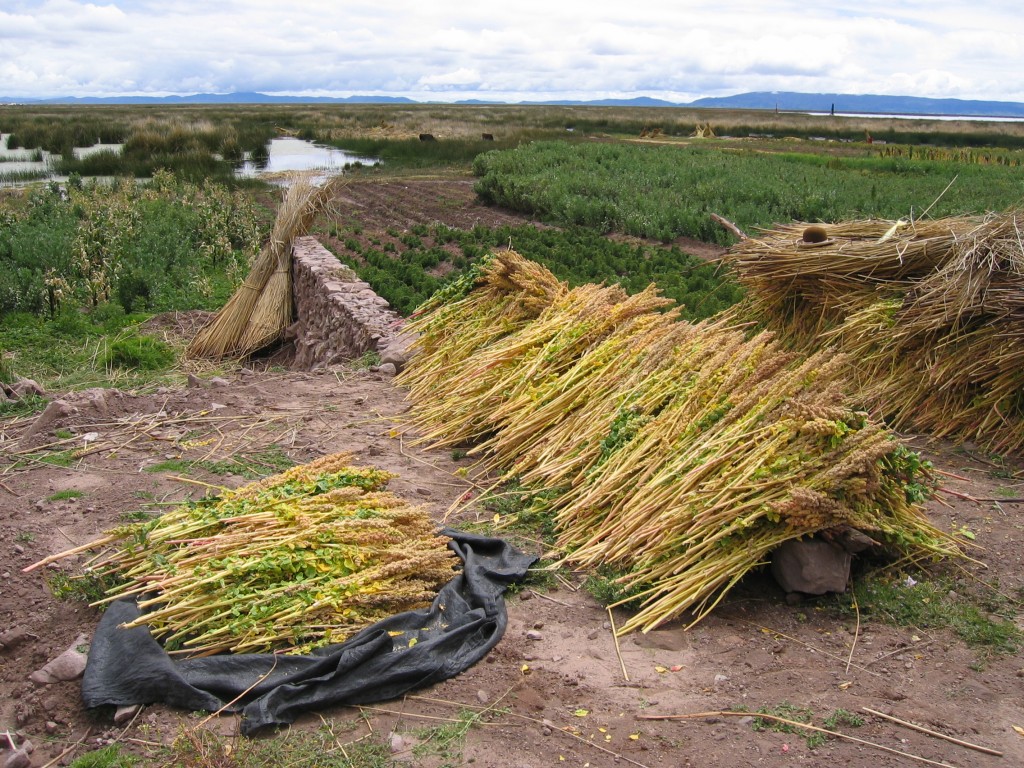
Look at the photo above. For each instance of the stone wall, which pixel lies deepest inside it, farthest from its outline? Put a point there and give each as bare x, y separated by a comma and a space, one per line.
339, 316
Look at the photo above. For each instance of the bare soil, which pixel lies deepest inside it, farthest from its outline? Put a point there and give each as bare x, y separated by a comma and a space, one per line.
567, 695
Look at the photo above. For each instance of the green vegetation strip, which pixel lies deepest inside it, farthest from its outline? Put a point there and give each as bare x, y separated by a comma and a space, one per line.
406, 267
667, 191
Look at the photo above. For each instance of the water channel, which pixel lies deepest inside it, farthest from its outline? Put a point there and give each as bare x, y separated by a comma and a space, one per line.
284, 155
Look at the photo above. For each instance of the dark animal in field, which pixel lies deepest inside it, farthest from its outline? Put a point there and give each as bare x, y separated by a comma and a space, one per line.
427, 137
487, 136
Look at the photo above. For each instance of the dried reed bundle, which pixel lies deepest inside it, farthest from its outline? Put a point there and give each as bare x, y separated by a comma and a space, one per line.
932, 312
259, 311
294, 561
679, 454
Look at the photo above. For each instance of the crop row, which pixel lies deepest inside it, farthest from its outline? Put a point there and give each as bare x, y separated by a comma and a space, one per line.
406, 268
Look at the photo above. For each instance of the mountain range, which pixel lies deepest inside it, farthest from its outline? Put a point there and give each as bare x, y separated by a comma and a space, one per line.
768, 100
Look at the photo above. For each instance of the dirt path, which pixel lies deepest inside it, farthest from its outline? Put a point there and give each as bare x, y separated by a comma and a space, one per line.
556, 676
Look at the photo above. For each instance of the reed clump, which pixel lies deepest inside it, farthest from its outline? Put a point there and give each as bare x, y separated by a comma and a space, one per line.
259, 311
932, 311
295, 561
679, 454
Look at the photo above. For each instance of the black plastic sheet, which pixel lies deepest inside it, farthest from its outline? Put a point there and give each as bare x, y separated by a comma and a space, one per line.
466, 620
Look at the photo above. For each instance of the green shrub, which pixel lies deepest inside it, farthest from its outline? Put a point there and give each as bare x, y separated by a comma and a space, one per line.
140, 352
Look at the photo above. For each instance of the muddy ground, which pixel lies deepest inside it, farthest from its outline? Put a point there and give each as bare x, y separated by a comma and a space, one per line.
556, 675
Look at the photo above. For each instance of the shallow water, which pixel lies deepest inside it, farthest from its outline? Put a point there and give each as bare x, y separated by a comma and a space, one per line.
291, 154
21, 160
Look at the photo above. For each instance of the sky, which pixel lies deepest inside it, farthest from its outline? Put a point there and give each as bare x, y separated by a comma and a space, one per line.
527, 50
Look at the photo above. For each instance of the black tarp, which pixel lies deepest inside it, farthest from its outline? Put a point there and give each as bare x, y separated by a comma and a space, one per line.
466, 620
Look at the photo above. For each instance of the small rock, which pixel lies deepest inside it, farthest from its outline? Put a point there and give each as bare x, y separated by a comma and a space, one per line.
125, 714
534, 635
538, 625
748, 720
811, 566
526, 595
51, 727
68, 666
18, 549
13, 638
483, 697
55, 409
19, 758
24, 387
217, 381
388, 369
721, 679
194, 382
593, 634
424, 491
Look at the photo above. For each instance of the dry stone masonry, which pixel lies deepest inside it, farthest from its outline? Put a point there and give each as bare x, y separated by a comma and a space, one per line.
339, 316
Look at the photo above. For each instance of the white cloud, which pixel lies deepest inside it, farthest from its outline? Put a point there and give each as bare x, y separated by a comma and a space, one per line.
547, 49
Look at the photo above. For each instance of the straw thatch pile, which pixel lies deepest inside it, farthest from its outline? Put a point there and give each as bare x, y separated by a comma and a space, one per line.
679, 454
258, 312
932, 313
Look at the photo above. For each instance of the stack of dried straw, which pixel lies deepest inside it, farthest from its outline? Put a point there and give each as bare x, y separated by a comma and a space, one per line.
679, 454
259, 311
931, 311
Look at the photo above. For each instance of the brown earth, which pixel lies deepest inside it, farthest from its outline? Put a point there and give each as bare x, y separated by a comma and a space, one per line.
556, 677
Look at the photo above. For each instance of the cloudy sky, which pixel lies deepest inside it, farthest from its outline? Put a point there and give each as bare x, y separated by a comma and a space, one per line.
443, 50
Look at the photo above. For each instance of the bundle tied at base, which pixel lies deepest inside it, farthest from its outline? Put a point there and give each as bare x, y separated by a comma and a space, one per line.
296, 561
680, 455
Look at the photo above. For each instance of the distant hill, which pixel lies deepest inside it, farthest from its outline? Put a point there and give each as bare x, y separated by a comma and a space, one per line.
784, 101
216, 98
866, 104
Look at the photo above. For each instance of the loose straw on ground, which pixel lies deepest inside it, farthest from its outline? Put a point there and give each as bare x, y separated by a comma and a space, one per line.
936, 734
798, 724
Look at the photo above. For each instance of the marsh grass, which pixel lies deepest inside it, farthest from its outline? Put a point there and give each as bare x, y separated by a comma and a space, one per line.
983, 620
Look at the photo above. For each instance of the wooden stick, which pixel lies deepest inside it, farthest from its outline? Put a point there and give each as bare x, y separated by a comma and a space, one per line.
856, 634
729, 226
549, 599
936, 734
618, 651
796, 724
959, 495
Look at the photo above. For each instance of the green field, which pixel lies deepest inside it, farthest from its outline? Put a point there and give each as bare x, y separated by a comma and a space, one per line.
80, 265
666, 191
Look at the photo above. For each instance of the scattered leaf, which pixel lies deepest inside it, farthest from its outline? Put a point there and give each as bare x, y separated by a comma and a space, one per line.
1019, 730
634, 736
844, 685
497, 518
581, 712
661, 670
525, 669
676, 668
